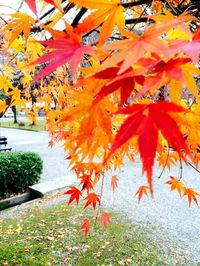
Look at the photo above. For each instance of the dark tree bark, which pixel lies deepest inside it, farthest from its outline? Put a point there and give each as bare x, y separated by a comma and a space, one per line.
14, 109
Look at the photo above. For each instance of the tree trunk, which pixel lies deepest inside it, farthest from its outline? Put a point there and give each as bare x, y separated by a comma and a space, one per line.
14, 109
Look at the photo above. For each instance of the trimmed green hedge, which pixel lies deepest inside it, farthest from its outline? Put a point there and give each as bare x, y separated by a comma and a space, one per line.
18, 170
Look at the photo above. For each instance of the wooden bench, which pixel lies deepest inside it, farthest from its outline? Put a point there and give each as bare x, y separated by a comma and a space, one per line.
4, 142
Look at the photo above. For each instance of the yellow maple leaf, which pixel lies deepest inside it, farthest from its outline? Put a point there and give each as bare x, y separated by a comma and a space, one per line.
5, 84
34, 49
18, 45
2, 106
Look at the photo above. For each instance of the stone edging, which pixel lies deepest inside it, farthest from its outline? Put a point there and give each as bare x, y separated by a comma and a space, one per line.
39, 190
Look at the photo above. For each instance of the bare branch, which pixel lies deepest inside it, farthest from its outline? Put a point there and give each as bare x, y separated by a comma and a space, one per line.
76, 20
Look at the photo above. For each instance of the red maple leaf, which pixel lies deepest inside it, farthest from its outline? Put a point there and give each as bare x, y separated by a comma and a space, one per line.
75, 194
51, 143
144, 122
32, 5
86, 226
125, 82
105, 219
92, 198
68, 50
86, 182
171, 69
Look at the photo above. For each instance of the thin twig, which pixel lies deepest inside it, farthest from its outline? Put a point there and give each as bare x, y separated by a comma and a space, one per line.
165, 163
100, 198
4, 20
20, 6
174, 10
180, 169
181, 3
52, 9
194, 167
139, 18
9, 7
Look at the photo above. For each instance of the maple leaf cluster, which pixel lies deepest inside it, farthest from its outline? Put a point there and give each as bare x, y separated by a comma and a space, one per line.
122, 86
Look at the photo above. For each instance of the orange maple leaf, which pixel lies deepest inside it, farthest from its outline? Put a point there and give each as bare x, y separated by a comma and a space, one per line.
142, 190
92, 198
86, 227
114, 181
176, 185
191, 194
51, 143
20, 23
133, 48
107, 13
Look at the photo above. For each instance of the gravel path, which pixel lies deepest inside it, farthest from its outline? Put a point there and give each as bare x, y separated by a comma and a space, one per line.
166, 217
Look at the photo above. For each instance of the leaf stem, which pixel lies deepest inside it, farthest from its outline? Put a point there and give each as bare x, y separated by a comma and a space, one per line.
165, 163
101, 194
180, 169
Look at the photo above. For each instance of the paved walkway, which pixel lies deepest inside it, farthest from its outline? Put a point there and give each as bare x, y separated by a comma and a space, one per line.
166, 216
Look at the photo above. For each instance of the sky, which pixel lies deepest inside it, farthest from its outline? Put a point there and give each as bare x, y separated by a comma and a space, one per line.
11, 6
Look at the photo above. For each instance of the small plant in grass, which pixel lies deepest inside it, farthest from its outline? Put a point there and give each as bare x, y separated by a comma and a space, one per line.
21, 124
18, 171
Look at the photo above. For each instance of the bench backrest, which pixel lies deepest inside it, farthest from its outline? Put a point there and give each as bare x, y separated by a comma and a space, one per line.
2, 138
3, 142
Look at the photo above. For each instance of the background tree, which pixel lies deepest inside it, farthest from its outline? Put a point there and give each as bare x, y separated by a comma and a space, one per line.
122, 72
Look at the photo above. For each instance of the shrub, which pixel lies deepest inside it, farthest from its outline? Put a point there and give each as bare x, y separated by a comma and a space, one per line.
18, 170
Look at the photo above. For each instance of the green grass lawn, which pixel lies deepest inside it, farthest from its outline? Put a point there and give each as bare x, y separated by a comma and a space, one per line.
27, 125
51, 236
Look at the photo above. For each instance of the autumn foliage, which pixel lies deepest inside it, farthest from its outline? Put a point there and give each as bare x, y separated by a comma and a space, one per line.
123, 77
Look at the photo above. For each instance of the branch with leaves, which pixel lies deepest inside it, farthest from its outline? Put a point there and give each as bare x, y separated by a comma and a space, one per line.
121, 76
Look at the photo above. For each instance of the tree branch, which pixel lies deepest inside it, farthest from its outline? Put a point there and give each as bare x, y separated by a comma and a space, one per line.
138, 20
82, 11
53, 8
136, 3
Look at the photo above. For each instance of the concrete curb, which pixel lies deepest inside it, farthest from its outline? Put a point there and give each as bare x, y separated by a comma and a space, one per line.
16, 200
43, 189
40, 190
